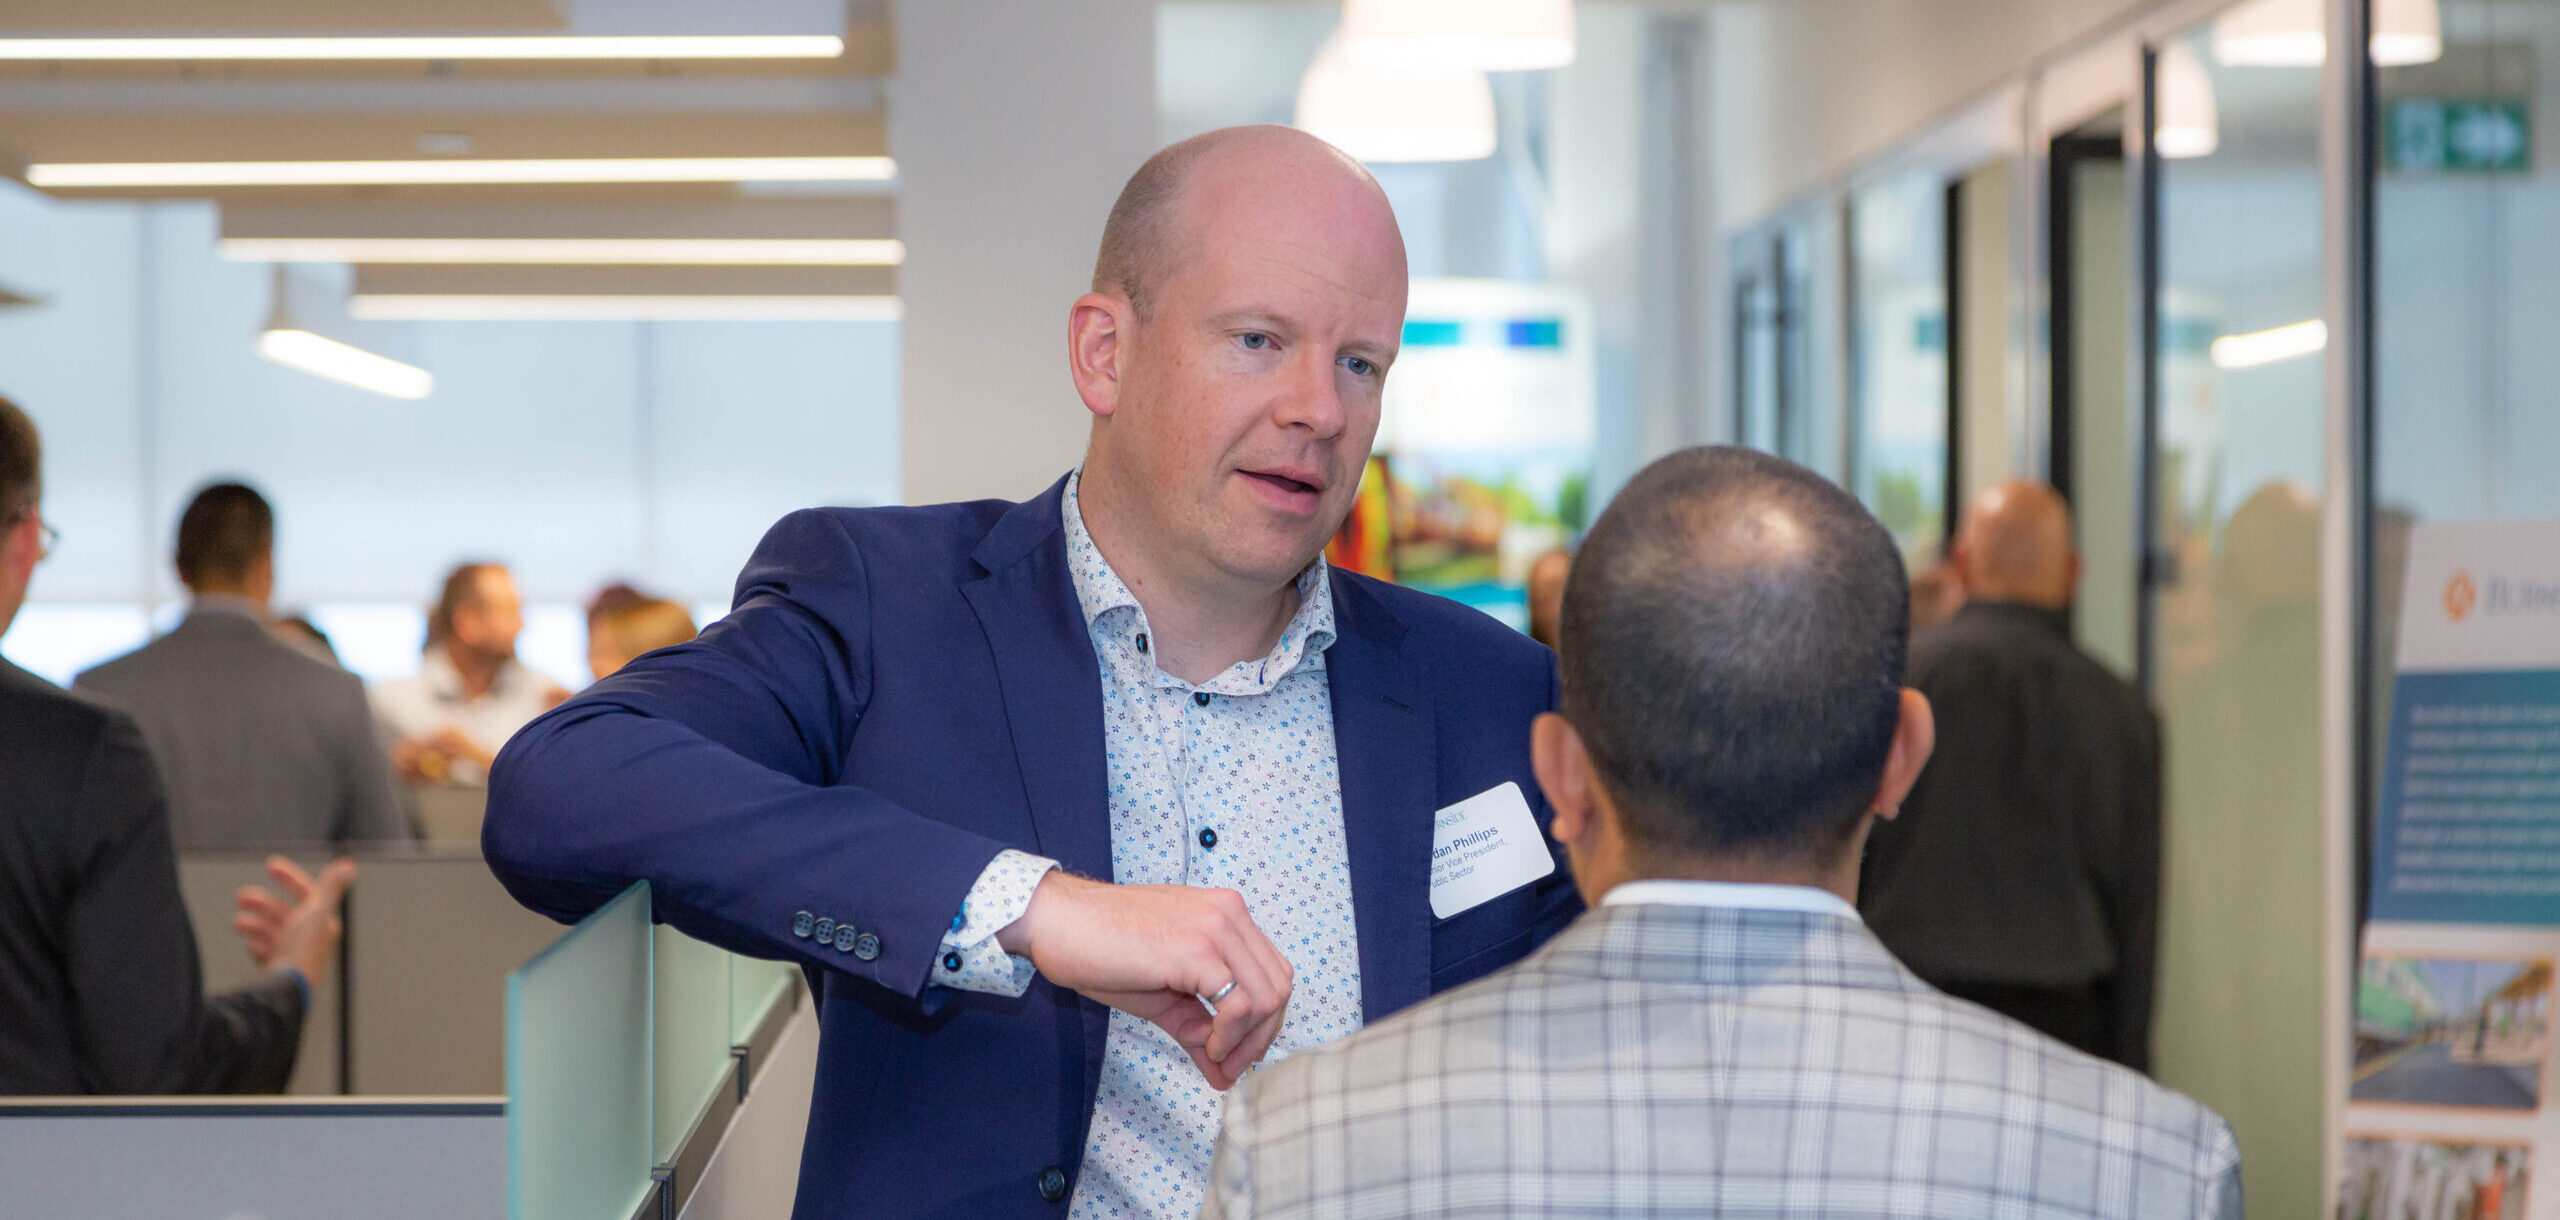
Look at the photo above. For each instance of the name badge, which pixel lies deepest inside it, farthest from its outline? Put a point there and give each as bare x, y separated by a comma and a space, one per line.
1484, 847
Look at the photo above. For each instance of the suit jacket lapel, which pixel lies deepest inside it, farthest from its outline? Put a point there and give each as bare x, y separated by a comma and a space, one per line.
1382, 734
1052, 684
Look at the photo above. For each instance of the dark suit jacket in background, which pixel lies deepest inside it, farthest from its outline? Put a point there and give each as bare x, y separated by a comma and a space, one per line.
100, 989
259, 744
2028, 855
901, 693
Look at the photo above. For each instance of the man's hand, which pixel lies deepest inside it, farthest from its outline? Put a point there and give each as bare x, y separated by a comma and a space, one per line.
1150, 950
301, 928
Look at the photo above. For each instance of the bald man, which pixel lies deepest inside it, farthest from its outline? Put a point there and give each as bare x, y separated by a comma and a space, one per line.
2024, 873
1074, 810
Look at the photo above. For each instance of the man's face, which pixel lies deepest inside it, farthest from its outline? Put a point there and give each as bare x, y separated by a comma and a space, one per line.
489, 621
1249, 392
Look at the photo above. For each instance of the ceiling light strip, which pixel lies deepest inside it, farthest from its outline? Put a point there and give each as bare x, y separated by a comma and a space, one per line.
581, 251
445, 307
540, 46
2269, 346
459, 172
326, 357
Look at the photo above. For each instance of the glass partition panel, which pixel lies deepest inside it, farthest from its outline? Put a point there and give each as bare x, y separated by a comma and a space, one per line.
1755, 316
1809, 415
579, 1101
2238, 417
692, 1032
1898, 357
754, 985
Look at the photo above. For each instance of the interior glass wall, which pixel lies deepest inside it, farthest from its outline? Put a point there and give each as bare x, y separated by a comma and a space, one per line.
1759, 321
1898, 357
2237, 419
2096, 438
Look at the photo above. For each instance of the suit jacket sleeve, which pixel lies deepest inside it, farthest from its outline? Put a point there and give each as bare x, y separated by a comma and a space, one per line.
713, 770
374, 811
142, 1022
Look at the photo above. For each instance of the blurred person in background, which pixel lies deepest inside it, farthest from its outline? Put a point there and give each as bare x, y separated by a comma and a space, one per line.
470, 693
2024, 873
623, 630
1546, 594
100, 987
258, 744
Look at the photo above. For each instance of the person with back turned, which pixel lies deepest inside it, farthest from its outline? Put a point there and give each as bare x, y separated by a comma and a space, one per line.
1075, 808
2025, 872
100, 987
1720, 1035
259, 744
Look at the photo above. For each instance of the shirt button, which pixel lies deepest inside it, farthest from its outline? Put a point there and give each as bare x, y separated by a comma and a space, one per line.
1053, 1183
866, 946
951, 962
1208, 837
801, 923
824, 930
1201, 698
1142, 641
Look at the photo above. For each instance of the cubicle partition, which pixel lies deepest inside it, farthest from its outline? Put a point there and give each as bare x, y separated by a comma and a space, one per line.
598, 1079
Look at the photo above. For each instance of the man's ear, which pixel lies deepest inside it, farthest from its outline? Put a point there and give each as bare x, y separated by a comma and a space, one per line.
1563, 768
1098, 327
1914, 737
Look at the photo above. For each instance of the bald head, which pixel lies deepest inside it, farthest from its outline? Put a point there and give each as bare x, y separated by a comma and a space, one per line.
1158, 222
1732, 656
2015, 545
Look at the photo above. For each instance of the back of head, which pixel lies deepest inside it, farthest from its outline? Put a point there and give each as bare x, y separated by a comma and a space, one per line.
1732, 651
2015, 544
225, 531
643, 625
21, 463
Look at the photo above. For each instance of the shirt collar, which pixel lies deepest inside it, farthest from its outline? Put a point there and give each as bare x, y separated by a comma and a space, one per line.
1100, 592
224, 603
2050, 619
1747, 896
441, 678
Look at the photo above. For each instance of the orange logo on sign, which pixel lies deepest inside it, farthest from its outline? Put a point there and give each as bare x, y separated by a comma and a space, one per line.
2460, 595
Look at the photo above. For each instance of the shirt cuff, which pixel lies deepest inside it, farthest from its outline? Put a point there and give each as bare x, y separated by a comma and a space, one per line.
969, 959
301, 983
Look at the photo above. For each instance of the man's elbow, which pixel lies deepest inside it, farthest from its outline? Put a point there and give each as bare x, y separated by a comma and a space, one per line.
529, 833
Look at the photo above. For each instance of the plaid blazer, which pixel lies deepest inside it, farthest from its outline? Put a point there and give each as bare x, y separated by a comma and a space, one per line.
1657, 1060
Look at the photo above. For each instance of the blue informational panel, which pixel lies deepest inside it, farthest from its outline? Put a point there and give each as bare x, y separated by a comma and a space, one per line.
2448, 1097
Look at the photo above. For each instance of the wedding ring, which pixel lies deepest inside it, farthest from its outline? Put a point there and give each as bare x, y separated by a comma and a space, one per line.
1210, 1002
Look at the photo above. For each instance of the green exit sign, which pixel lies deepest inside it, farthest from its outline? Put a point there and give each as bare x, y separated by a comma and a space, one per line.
2447, 135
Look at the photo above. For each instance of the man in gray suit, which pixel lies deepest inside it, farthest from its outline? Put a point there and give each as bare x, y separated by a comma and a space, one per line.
1719, 1034
258, 743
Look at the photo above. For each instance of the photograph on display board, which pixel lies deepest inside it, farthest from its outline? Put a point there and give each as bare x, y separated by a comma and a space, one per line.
2452, 1031
2416, 1178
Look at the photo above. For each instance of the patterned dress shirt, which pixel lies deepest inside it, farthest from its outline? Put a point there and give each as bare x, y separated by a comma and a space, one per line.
1232, 783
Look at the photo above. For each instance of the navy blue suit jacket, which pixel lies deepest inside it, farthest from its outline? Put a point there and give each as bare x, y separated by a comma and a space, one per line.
899, 694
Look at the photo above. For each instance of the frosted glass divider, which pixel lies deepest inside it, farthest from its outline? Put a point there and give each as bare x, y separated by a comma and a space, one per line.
580, 1099
692, 1033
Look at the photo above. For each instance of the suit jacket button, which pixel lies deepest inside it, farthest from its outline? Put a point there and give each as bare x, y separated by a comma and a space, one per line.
1053, 1183
802, 923
844, 937
825, 930
865, 946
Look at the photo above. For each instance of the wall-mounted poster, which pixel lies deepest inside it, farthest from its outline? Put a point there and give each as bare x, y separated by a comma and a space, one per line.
2449, 1108
1483, 460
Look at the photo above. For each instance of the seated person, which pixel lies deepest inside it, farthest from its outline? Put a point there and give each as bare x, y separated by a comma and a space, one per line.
1719, 1034
470, 694
620, 630
100, 987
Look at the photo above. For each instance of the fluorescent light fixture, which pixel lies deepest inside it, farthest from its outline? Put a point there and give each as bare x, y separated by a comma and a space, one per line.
451, 173
620, 308
1483, 35
2190, 121
1396, 114
326, 357
2291, 34
537, 46
2268, 346
686, 251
